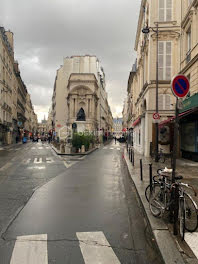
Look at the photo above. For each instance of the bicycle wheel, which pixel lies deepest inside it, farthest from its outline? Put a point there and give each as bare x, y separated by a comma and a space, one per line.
148, 192
181, 218
155, 201
191, 218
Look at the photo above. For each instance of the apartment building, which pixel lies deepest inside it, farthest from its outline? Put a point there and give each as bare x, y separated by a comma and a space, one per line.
13, 93
80, 96
164, 16
6, 74
189, 67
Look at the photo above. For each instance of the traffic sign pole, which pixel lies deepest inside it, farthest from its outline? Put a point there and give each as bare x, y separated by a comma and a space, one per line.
175, 141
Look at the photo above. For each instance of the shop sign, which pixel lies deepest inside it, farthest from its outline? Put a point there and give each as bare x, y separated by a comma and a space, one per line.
190, 103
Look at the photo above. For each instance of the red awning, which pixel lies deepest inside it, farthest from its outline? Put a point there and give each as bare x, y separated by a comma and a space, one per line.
136, 122
173, 117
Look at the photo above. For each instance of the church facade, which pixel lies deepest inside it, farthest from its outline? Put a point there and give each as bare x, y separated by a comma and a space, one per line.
79, 98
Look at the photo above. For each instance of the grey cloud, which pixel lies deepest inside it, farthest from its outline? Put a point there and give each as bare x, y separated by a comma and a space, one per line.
51, 30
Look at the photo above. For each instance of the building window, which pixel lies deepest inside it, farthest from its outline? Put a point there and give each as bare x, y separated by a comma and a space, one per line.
164, 59
189, 2
188, 54
165, 10
164, 102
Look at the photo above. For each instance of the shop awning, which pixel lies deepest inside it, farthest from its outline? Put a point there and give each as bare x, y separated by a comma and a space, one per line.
136, 122
180, 116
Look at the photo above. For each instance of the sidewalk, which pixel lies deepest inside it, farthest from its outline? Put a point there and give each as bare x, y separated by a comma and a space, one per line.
3, 147
170, 246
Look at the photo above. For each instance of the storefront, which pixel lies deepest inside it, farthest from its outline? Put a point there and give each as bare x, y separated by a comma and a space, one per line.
189, 128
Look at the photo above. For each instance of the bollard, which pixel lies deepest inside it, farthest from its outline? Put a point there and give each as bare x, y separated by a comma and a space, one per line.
176, 209
131, 157
133, 162
150, 178
141, 173
129, 152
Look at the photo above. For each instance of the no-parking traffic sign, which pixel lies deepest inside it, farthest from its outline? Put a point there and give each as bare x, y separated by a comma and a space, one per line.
156, 116
180, 86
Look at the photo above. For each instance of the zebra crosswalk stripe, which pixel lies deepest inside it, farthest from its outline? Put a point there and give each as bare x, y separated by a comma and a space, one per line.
30, 250
97, 252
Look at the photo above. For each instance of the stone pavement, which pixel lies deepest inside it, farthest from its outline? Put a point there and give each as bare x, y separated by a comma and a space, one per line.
172, 249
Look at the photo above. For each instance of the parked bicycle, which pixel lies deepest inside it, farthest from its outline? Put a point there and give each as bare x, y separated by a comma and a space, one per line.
155, 181
161, 200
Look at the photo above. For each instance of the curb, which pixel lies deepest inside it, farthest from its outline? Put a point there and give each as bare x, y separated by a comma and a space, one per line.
164, 240
74, 154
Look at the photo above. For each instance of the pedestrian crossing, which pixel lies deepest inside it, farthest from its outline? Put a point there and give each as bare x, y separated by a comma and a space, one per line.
32, 249
38, 146
112, 148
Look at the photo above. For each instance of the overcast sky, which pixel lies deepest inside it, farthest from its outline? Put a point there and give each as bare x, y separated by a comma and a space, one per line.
46, 31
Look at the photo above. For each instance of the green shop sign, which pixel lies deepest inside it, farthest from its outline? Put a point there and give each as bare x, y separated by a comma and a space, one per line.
190, 103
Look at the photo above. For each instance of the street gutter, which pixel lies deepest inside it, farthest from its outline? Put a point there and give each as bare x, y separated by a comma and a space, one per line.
165, 241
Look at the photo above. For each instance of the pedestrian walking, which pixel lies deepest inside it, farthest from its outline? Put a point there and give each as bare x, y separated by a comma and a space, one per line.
115, 139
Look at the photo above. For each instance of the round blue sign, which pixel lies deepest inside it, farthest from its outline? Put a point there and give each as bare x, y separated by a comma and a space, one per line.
180, 86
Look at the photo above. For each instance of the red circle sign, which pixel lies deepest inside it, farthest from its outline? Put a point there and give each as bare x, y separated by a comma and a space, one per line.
156, 116
180, 86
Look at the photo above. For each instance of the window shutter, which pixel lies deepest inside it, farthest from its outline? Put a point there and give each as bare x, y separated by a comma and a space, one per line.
168, 10
168, 61
167, 102
161, 10
165, 10
160, 102
161, 60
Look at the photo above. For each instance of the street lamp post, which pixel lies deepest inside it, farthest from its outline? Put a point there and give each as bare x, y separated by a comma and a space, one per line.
146, 30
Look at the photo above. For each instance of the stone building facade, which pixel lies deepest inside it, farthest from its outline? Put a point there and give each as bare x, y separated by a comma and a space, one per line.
189, 67
13, 93
177, 53
142, 79
80, 96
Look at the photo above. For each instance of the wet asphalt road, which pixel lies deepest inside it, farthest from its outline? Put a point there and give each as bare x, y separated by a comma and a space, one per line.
88, 213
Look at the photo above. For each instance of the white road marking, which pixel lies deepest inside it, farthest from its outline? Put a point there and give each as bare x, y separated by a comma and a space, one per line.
49, 160
111, 148
118, 148
47, 147
30, 250
38, 160
27, 161
33, 148
105, 148
36, 167
6, 166
96, 249
191, 239
40, 147
1, 148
